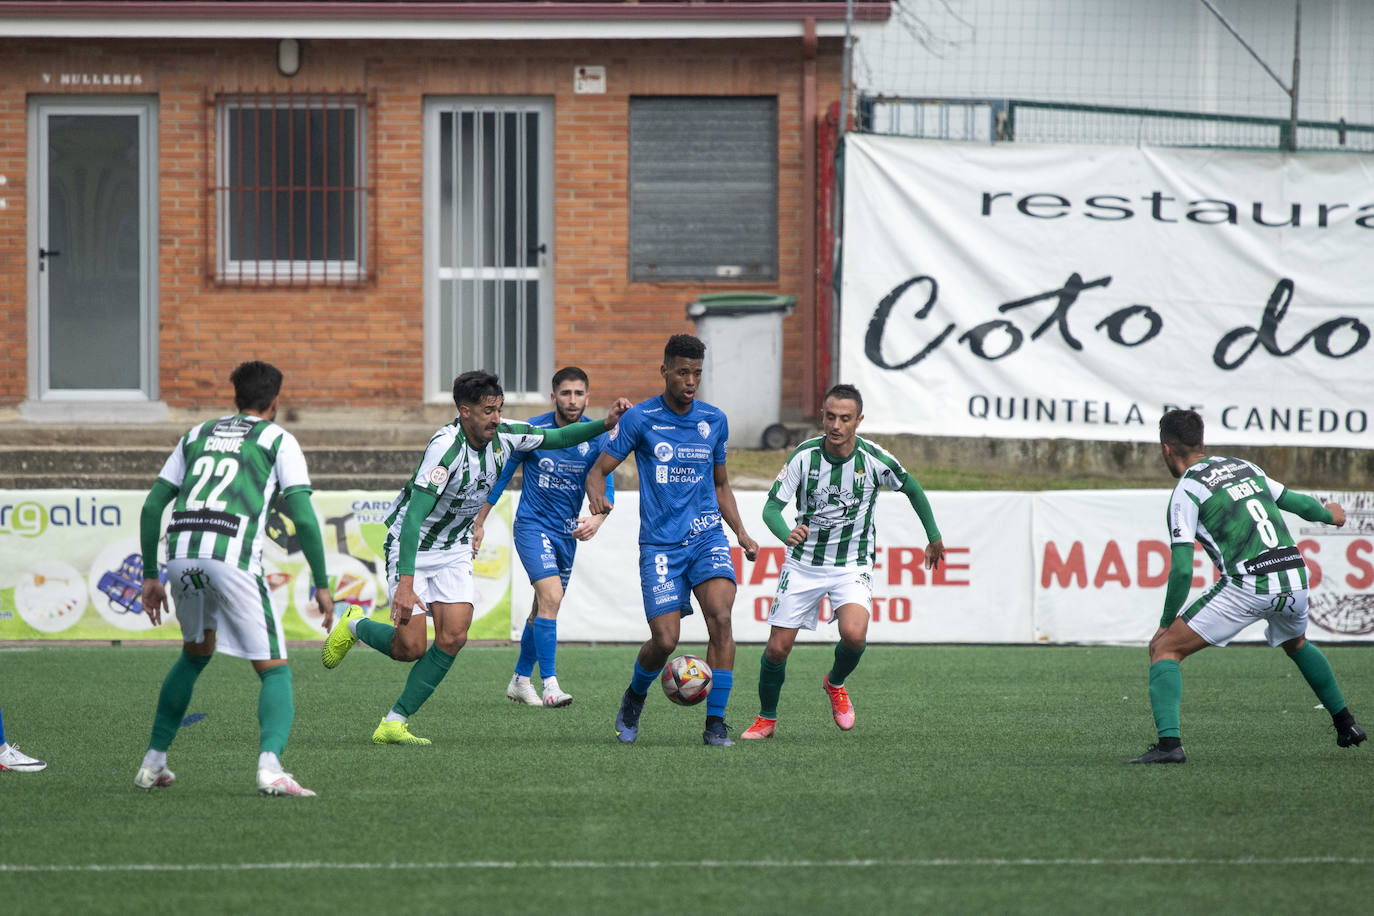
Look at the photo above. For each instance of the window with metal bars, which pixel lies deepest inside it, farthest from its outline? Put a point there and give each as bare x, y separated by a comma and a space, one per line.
291, 193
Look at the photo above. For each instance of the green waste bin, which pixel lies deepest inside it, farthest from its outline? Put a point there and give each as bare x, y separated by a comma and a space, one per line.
742, 372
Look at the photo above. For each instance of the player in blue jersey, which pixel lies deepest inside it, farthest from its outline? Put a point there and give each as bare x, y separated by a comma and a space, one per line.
547, 529
684, 493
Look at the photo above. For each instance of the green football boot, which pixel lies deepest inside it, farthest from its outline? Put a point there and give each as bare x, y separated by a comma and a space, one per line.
340, 639
396, 733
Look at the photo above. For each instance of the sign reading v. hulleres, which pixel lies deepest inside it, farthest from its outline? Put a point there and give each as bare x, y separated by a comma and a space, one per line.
1079, 291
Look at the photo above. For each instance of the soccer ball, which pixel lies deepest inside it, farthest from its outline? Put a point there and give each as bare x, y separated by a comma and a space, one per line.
686, 680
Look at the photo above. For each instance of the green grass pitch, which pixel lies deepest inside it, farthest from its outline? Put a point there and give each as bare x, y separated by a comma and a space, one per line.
978, 779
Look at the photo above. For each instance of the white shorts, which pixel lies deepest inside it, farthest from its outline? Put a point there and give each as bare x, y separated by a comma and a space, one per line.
444, 576
797, 602
212, 595
1225, 610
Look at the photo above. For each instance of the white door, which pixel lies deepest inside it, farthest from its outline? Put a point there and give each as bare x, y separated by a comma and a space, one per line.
91, 234
488, 233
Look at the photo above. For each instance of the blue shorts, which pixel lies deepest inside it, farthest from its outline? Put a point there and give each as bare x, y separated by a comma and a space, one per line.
544, 553
667, 575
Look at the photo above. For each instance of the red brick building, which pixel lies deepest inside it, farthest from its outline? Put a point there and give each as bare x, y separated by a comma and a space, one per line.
378, 195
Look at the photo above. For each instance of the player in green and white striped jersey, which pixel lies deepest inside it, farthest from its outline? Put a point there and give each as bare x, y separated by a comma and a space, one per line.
222, 476
1232, 508
430, 542
833, 482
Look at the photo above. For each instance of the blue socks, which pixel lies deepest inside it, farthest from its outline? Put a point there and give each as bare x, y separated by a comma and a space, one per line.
539, 642
524, 665
721, 683
546, 645
639, 683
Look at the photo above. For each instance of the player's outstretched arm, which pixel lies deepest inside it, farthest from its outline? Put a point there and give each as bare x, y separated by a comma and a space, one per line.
725, 498
302, 513
597, 503
149, 533
1308, 509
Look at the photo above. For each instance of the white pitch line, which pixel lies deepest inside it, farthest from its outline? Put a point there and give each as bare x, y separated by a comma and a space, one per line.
477, 865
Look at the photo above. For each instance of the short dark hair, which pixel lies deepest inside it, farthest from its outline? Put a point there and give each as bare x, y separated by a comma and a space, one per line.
684, 345
256, 384
1181, 428
567, 374
846, 393
473, 387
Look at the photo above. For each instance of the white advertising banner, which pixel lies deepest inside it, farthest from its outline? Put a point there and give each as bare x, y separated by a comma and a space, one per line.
1102, 564
1077, 291
980, 594
1056, 567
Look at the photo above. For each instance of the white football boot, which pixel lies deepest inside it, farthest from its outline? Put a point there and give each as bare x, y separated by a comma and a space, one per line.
150, 779
554, 697
522, 691
11, 759
275, 782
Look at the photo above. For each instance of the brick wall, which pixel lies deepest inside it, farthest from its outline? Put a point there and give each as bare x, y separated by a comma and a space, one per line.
363, 346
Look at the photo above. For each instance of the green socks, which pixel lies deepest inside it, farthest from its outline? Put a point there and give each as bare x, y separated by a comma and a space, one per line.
1317, 671
175, 697
376, 634
276, 709
1166, 694
771, 676
846, 660
424, 676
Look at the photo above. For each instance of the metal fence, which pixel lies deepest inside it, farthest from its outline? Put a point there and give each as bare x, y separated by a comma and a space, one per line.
1031, 121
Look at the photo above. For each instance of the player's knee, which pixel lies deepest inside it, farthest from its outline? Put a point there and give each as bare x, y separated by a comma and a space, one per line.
1293, 645
664, 643
451, 643
406, 650
775, 653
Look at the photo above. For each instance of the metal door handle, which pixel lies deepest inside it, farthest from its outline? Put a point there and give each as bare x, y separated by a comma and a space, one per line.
45, 253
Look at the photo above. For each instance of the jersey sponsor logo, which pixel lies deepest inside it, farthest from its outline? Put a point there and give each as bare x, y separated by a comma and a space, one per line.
232, 428
693, 453
546, 464
663, 451
661, 428
831, 502
705, 522
704, 429
1280, 558
439, 476
1218, 474
206, 521
223, 444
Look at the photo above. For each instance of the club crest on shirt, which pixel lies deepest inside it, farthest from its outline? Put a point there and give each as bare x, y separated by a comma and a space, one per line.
704, 429
583, 448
